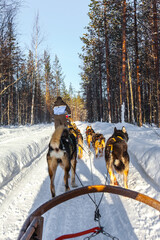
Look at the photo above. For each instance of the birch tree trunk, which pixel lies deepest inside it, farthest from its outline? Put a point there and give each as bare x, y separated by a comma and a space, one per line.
35, 41
33, 100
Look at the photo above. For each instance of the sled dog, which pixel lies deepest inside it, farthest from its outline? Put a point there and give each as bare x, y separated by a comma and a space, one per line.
80, 145
89, 134
116, 156
62, 151
76, 132
98, 142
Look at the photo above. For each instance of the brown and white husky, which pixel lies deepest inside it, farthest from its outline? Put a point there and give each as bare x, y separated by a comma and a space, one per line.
62, 151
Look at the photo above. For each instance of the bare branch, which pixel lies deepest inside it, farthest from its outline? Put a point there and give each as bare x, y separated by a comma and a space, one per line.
11, 84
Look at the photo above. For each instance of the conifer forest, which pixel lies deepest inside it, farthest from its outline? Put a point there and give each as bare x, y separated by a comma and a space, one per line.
120, 66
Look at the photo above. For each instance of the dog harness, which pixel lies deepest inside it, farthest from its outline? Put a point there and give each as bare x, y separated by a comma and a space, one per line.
111, 145
120, 137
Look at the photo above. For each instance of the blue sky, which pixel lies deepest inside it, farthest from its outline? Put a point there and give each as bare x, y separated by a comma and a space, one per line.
62, 23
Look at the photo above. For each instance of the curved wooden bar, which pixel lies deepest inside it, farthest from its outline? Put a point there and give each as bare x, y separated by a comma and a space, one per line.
86, 190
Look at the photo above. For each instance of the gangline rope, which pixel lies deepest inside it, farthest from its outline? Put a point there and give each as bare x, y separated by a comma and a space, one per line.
97, 215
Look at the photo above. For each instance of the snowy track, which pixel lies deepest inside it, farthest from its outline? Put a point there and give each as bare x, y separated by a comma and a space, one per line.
123, 218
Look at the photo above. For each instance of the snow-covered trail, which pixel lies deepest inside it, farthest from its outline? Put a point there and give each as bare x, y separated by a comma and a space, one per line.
21, 197
123, 218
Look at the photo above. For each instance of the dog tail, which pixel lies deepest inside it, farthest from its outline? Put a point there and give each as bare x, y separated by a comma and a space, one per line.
118, 165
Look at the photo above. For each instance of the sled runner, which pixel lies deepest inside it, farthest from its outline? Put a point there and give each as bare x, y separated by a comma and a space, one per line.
33, 226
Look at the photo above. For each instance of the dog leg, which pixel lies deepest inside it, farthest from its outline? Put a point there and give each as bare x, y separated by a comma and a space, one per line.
89, 140
125, 176
66, 176
52, 166
80, 150
66, 165
109, 164
101, 152
81, 153
113, 180
96, 151
73, 170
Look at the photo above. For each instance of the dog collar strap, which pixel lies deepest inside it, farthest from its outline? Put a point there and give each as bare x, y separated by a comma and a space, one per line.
111, 145
120, 137
114, 139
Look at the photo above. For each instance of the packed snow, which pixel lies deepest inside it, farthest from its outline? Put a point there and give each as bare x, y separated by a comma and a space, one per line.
24, 184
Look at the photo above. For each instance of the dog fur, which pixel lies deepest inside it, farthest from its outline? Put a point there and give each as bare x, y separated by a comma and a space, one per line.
76, 132
116, 156
89, 135
80, 145
98, 142
62, 151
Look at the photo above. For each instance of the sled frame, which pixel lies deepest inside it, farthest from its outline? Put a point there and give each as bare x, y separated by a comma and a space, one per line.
33, 226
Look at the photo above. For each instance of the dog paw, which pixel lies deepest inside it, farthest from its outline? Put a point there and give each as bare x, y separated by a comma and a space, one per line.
116, 183
53, 195
67, 189
74, 185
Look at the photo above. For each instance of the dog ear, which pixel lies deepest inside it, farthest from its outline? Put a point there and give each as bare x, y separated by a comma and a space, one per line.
115, 129
124, 129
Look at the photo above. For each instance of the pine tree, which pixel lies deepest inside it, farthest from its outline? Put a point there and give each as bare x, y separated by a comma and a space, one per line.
48, 85
58, 76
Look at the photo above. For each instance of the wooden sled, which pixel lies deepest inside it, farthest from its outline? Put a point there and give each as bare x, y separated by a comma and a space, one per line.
33, 226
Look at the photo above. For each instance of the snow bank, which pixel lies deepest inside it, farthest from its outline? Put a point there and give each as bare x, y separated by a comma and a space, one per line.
144, 143
19, 147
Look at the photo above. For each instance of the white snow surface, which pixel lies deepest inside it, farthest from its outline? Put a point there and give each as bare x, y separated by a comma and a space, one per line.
25, 184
